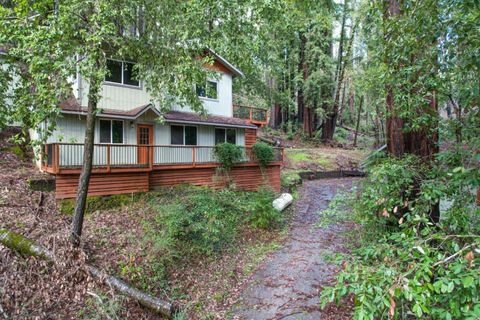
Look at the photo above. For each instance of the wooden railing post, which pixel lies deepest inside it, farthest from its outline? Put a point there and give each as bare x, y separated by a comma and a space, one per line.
57, 158
108, 158
150, 156
194, 160
283, 155
44, 157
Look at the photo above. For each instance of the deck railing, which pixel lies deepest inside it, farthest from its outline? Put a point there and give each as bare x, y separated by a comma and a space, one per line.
252, 114
58, 156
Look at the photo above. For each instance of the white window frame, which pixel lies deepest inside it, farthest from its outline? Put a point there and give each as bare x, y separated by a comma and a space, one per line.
207, 98
111, 131
227, 128
183, 136
111, 83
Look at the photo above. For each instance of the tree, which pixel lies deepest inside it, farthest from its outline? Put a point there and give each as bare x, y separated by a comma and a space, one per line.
45, 44
412, 120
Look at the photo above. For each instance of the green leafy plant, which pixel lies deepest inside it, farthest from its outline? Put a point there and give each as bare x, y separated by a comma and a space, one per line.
227, 154
263, 215
204, 222
405, 266
263, 153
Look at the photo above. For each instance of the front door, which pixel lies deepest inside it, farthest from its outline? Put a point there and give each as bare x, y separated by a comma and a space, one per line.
144, 139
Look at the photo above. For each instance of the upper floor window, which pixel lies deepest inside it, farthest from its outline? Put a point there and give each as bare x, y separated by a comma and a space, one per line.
225, 135
111, 131
209, 90
183, 135
121, 72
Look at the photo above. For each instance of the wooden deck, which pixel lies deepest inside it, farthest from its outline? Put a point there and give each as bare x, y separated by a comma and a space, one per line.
256, 116
122, 168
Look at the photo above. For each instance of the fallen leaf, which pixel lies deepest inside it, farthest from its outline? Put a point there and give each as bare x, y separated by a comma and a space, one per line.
385, 213
469, 257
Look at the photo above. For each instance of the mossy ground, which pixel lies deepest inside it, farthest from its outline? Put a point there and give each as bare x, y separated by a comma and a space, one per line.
95, 203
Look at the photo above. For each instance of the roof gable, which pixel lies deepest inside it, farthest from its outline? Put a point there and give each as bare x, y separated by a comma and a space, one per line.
222, 64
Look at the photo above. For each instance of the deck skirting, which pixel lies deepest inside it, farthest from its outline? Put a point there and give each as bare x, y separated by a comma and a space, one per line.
104, 184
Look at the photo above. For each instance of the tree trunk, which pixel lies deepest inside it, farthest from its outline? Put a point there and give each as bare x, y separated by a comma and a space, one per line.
422, 142
301, 69
84, 180
331, 120
357, 126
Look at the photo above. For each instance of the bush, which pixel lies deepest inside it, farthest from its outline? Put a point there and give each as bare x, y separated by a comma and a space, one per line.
405, 266
264, 153
227, 155
263, 215
204, 222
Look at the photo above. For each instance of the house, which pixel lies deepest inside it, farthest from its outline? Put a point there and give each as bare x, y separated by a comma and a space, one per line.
134, 152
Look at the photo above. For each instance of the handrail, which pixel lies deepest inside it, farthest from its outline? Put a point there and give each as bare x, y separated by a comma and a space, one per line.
69, 155
252, 114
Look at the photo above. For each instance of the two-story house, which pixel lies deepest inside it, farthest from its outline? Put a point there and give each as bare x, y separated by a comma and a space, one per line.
135, 152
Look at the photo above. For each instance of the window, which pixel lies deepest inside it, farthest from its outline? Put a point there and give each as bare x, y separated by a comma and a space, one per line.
219, 135
232, 136
176, 134
225, 135
121, 72
191, 136
183, 135
208, 91
111, 131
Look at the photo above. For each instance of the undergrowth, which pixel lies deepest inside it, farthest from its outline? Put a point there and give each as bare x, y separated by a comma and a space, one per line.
405, 266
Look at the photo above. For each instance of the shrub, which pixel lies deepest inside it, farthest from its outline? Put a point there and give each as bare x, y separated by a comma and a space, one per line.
227, 154
263, 215
405, 266
264, 153
202, 223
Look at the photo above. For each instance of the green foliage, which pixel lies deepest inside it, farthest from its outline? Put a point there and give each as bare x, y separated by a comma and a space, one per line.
404, 265
298, 155
264, 216
196, 221
95, 203
264, 153
289, 179
101, 306
227, 154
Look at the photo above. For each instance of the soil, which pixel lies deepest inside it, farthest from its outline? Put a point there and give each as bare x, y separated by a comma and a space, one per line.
289, 283
31, 288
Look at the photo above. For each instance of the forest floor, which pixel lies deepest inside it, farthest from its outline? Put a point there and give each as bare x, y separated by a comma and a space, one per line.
288, 284
114, 239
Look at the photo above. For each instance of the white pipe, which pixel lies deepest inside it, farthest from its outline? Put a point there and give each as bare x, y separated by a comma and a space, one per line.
283, 201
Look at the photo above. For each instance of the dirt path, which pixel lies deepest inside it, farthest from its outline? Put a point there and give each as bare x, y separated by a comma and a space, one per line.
287, 286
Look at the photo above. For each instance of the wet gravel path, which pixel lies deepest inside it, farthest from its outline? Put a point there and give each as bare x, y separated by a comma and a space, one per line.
288, 284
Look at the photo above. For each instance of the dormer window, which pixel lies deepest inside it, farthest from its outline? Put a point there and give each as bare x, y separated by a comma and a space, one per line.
121, 72
209, 90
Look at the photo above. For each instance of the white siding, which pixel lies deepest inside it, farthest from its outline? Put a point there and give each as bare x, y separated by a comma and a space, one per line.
221, 106
69, 128
126, 98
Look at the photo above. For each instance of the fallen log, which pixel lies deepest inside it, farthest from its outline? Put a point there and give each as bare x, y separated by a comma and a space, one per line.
27, 247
